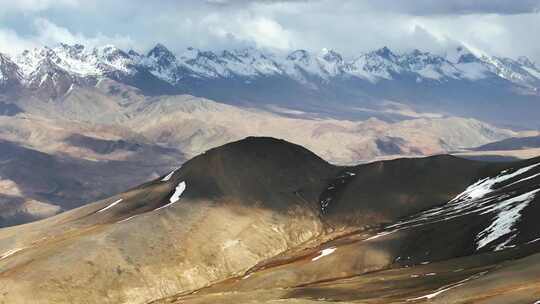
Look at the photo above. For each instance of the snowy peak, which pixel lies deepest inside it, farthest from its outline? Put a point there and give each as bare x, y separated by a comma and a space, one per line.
470, 66
9, 71
29, 61
460, 54
162, 55
331, 62
299, 56
331, 56
385, 53
251, 62
521, 71
376, 65
467, 57
429, 66
71, 50
75, 60
189, 53
248, 62
110, 53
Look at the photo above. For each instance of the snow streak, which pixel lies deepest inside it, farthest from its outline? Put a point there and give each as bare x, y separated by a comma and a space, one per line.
489, 196
168, 176
111, 205
324, 253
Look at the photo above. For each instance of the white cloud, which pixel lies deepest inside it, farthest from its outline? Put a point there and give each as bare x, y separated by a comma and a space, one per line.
349, 26
50, 34
10, 6
262, 31
12, 44
493, 34
267, 33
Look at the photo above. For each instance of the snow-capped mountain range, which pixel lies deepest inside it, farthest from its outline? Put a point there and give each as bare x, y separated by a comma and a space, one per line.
382, 64
457, 82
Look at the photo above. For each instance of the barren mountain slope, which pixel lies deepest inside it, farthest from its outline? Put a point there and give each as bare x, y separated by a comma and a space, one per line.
263, 219
195, 125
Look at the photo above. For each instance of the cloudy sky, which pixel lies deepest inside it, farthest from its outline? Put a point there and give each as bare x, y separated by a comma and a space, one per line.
499, 27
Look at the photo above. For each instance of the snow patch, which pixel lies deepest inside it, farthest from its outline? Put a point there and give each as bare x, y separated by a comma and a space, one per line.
111, 205
127, 219
176, 195
324, 253
485, 186
168, 176
505, 220
433, 295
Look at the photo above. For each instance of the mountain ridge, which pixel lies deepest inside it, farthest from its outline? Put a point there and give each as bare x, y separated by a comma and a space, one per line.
458, 83
251, 62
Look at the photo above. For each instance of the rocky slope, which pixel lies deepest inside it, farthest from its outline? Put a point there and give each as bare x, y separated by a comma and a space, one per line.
261, 219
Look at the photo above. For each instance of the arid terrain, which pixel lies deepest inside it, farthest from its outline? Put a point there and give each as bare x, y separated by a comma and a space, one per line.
263, 221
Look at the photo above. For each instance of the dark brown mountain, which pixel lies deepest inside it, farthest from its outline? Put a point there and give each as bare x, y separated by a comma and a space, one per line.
262, 220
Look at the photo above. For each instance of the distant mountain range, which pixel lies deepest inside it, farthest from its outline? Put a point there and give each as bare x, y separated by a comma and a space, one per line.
495, 89
35, 66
